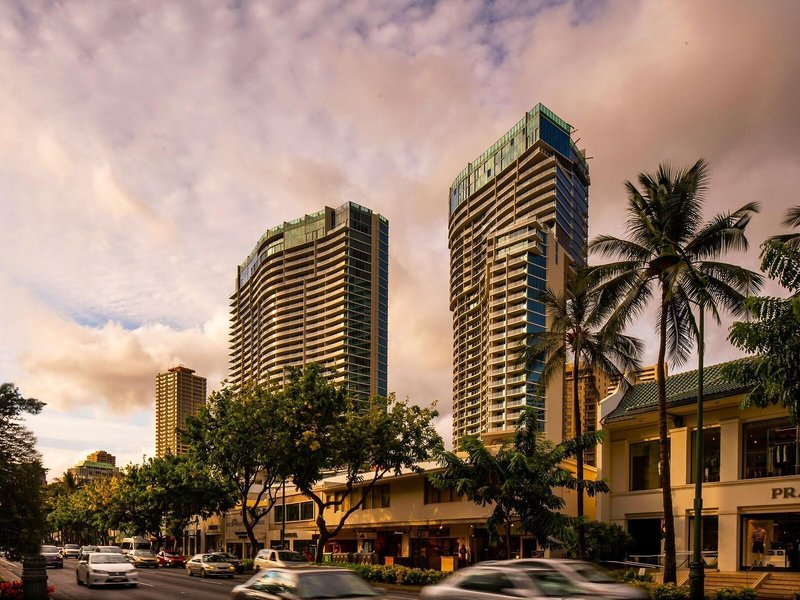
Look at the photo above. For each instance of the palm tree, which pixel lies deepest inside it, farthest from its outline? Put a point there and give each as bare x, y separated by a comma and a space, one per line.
581, 333
673, 254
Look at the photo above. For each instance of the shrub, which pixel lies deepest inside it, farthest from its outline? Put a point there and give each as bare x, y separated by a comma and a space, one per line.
731, 594
395, 574
604, 541
247, 564
669, 591
632, 575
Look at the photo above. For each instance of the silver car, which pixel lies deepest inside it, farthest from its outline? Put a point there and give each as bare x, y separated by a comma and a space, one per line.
495, 581
71, 551
105, 568
586, 576
308, 583
268, 557
209, 565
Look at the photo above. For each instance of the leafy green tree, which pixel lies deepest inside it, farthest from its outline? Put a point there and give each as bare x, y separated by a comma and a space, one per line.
580, 333
163, 492
772, 331
519, 479
21, 474
604, 542
672, 254
330, 433
240, 436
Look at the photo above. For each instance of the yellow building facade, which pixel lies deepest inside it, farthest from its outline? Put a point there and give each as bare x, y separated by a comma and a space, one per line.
750, 470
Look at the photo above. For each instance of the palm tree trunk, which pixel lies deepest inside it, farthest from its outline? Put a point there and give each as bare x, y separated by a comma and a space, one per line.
670, 568
578, 431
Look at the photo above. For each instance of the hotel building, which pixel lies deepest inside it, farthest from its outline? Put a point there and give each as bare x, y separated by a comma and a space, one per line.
751, 474
518, 221
98, 465
179, 394
315, 290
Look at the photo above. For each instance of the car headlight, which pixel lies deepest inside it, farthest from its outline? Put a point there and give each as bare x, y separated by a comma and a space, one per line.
99, 572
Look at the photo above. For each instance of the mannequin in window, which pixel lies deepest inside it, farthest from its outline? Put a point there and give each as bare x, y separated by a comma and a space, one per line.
759, 537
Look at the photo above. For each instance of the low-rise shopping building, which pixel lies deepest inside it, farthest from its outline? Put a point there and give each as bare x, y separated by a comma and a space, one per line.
751, 488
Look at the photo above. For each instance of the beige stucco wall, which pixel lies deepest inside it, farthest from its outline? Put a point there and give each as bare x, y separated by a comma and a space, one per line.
729, 499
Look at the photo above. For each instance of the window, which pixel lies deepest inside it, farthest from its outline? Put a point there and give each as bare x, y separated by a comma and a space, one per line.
296, 511
377, 497
711, 454
644, 473
493, 582
709, 536
436, 496
770, 449
341, 500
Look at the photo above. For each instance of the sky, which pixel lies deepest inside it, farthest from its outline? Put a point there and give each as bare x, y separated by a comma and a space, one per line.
146, 146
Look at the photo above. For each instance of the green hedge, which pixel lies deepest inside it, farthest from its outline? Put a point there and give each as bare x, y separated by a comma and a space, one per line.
747, 593
395, 574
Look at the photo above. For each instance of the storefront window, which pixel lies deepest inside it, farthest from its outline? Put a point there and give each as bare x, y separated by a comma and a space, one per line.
711, 454
770, 449
709, 538
771, 541
644, 466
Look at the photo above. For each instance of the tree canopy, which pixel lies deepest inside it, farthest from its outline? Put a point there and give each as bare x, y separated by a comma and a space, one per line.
329, 432
21, 476
240, 437
772, 331
519, 479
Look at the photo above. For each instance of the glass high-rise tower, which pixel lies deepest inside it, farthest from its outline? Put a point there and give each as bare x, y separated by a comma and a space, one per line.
315, 290
518, 221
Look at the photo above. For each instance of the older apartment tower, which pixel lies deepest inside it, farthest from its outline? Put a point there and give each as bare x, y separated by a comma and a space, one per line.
518, 221
315, 290
179, 394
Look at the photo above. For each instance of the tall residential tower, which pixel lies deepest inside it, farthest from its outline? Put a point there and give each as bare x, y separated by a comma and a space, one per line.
518, 221
179, 394
315, 290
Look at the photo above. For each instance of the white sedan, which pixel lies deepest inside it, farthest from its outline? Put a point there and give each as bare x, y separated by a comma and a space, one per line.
105, 568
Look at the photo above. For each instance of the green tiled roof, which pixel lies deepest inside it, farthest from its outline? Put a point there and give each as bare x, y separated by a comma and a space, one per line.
681, 389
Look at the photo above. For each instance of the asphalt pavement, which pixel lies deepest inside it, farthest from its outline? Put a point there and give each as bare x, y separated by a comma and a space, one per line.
155, 584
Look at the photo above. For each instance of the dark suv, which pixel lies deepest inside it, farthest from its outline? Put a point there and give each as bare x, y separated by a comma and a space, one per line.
52, 556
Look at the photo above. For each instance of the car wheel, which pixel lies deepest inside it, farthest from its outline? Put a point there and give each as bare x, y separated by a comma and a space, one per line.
203, 573
230, 576
189, 572
133, 585
78, 579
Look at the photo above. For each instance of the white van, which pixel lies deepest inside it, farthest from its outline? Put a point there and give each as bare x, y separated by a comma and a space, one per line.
130, 544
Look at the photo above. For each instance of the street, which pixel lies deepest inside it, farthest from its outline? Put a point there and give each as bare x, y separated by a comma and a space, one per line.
154, 584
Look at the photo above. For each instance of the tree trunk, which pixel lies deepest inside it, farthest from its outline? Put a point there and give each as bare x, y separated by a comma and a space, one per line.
578, 431
508, 540
249, 528
670, 568
324, 537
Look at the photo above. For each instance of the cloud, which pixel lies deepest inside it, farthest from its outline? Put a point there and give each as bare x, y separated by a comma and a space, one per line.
146, 147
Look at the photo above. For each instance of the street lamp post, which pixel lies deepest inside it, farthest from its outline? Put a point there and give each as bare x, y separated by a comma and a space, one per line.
696, 566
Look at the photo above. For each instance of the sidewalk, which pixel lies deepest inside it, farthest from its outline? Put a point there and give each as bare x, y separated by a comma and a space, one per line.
6, 571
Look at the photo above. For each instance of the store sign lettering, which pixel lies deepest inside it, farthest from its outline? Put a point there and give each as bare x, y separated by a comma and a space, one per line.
786, 492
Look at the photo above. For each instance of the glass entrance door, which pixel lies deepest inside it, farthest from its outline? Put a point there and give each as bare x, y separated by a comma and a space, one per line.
770, 542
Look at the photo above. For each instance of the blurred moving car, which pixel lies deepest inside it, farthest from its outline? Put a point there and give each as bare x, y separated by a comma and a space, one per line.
105, 568
267, 558
71, 551
492, 581
590, 578
52, 556
113, 549
209, 565
87, 549
308, 583
234, 560
171, 558
143, 559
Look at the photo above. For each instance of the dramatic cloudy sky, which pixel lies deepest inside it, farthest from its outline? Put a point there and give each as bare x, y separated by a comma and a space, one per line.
145, 146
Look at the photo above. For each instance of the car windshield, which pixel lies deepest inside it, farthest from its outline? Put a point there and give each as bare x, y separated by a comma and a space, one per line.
291, 556
107, 559
171, 554
226, 556
334, 584
143, 553
72, 547
215, 558
49, 550
110, 549
593, 574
